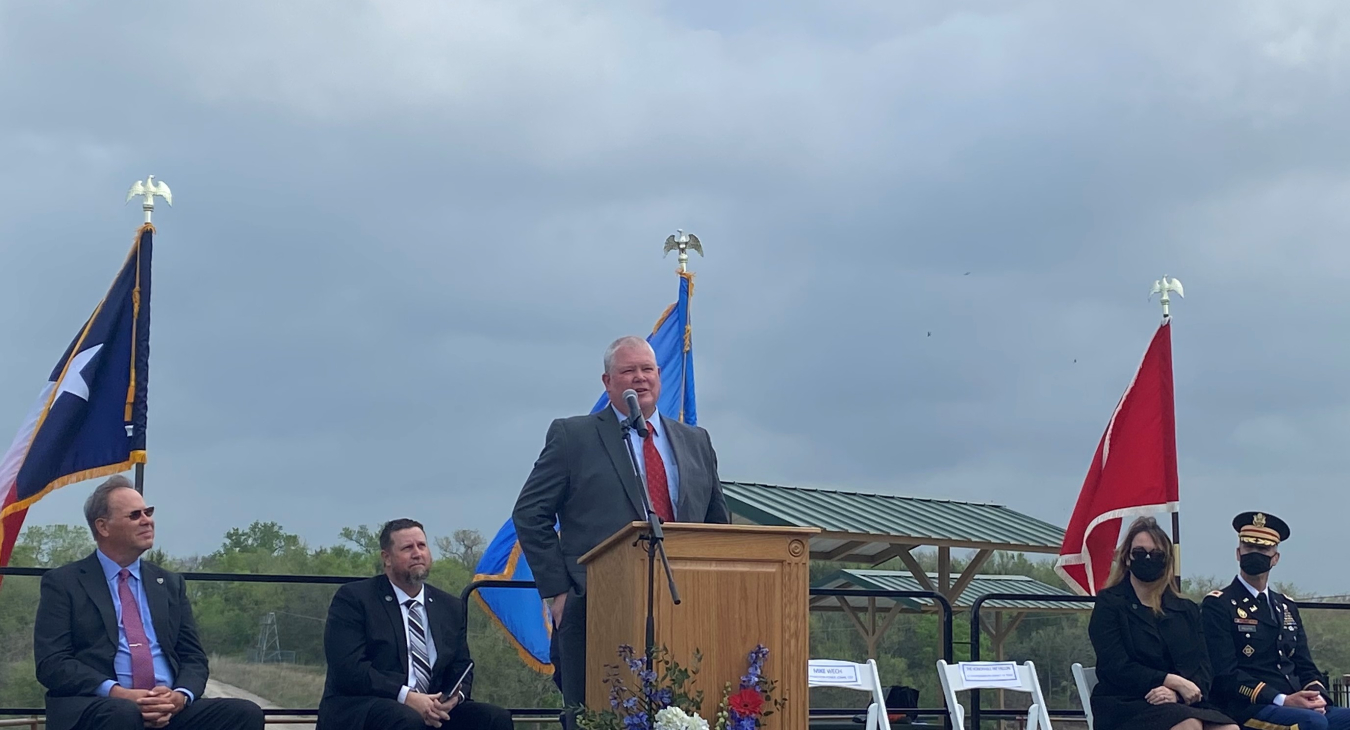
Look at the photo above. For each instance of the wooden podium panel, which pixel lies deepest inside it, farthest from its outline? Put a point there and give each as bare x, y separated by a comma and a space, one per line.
739, 586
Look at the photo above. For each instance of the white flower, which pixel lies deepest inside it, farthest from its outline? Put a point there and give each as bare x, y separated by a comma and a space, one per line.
673, 718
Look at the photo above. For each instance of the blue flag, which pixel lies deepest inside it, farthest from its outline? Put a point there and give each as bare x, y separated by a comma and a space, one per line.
89, 420
519, 612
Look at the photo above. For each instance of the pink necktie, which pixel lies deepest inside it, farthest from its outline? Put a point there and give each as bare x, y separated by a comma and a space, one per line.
142, 664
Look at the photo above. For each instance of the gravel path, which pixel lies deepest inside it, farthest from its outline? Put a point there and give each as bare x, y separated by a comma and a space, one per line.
216, 688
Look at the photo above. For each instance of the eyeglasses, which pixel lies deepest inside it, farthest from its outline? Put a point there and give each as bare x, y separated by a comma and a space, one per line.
135, 515
1141, 554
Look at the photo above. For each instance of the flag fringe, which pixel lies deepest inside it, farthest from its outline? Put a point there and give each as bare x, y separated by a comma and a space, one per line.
525, 655
79, 476
1084, 557
135, 250
508, 573
689, 275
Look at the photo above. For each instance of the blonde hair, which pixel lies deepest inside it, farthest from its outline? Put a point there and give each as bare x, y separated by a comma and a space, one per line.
1152, 594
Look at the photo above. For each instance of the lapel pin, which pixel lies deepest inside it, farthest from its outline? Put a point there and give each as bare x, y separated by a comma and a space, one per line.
159, 581
388, 598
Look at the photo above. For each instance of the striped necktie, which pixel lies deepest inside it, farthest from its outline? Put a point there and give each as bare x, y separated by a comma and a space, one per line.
417, 647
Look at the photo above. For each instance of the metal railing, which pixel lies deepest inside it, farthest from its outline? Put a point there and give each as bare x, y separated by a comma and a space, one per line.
976, 711
540, 714
523, 714
944, 606
202, 577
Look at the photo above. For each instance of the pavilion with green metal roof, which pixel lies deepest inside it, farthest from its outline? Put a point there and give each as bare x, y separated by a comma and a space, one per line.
858, 527
1007, 613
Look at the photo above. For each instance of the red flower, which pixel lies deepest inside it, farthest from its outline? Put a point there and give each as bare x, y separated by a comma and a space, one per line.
747, 702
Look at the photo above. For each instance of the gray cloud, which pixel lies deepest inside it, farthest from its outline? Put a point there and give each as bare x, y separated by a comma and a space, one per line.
405, 231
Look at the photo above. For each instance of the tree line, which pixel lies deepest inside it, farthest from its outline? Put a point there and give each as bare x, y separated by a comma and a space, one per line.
231, 617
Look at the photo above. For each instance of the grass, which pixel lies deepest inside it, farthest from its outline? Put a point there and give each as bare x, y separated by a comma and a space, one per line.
284, 685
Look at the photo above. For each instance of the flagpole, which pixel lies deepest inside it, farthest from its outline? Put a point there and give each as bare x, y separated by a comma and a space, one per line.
1164, 287
147, 190
682, 242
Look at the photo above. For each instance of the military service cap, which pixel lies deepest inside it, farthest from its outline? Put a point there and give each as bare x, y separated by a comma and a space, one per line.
1259, 528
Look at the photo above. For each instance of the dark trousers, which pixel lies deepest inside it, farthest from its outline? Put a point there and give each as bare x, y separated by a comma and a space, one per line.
391, 715
567, 652
1335, 718
107, 713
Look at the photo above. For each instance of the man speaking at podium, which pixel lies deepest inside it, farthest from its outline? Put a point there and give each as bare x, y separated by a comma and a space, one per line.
584, 482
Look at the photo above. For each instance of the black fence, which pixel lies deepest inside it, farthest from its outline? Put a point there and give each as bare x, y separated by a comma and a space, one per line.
524, 713
946, 616
1340, 692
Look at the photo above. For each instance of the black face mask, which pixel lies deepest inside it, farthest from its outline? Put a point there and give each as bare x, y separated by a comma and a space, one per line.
1255, 563
1146, 565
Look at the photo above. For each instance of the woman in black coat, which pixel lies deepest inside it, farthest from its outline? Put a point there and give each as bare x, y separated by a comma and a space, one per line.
1153, 668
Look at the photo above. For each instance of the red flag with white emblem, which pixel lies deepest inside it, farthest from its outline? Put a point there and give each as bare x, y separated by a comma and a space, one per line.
1134, 472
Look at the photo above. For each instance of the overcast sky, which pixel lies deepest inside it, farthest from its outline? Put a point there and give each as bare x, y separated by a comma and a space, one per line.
404, 232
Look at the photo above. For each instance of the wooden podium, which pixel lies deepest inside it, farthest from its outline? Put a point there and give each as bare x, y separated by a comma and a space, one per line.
739, 586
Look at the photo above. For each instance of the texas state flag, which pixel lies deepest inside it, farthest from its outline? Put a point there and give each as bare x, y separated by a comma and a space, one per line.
89, 419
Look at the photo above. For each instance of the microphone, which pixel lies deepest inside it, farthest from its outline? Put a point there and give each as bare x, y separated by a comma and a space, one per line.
635, 419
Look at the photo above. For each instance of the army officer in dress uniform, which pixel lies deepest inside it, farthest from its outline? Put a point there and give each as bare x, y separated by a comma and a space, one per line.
1264, 675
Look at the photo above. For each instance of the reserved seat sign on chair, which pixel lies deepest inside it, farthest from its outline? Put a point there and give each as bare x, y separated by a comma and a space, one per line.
1010, 676
1086, 679
849, 675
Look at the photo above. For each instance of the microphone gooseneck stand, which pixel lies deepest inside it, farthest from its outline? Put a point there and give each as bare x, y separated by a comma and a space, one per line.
655, 540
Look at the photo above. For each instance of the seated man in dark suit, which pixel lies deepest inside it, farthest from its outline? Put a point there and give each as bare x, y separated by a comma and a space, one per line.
114, 641
396, 645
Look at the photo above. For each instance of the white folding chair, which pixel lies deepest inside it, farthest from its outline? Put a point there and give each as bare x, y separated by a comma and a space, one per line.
848, 675
1086, 679
1009, 676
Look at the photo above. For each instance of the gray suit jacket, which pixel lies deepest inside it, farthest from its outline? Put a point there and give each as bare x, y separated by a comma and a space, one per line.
583, 481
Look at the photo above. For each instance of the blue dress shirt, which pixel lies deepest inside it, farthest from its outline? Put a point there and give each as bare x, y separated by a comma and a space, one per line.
122, 662
663, 448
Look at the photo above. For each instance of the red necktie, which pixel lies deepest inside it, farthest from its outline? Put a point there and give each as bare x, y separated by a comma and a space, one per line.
142, 664
656, 477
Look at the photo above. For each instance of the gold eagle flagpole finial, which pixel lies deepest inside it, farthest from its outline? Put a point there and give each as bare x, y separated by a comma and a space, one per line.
683, 242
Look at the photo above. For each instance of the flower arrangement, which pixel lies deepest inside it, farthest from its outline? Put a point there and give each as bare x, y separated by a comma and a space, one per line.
663, 699
746, 708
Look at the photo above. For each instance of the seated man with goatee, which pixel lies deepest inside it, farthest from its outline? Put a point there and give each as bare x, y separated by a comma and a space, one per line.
397, 648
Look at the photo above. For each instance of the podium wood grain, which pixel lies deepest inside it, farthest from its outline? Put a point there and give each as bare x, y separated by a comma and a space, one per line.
740, 586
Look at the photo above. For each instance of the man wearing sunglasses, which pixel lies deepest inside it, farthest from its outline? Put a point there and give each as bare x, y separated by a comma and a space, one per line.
114, 640
1264, 675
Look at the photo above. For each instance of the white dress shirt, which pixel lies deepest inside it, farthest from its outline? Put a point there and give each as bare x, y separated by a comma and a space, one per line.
663, 448
402, 599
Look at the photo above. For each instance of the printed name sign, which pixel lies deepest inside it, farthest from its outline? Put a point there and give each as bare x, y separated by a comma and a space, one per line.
993, 675
833, 674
